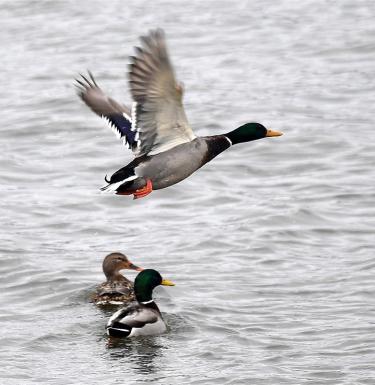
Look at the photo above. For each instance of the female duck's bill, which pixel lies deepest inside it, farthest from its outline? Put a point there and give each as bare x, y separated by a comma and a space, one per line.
143, 316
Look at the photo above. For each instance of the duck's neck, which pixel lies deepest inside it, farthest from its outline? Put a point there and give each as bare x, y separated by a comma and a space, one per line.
215, 145
145, 299
116, 277
144, 296
143, 291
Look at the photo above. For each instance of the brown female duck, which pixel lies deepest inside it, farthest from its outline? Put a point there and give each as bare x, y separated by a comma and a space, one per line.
117, 290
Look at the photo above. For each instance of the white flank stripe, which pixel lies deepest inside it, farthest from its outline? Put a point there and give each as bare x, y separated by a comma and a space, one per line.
112, 187
114, 329
118, 329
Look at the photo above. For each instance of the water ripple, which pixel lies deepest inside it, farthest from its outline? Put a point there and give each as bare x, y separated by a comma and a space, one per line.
271, 245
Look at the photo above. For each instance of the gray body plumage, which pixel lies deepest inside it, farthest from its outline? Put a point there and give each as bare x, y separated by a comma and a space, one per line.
173, 166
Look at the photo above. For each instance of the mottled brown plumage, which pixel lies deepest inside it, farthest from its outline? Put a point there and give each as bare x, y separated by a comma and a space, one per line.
117, 290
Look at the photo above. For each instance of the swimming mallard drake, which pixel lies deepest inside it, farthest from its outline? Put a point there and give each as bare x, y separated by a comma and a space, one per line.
143, 316
117, 290
156, 128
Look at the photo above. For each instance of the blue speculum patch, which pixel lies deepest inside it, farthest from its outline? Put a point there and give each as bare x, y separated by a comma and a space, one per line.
124, 126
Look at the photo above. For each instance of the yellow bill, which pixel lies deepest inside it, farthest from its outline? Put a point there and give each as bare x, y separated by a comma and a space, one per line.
165, 282
273, 133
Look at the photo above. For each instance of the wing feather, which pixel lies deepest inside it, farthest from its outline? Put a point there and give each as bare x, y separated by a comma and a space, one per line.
115, 113
132, 316
161, 119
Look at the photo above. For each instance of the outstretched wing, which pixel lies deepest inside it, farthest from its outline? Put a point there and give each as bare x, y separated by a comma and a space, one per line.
116, 114
161, 120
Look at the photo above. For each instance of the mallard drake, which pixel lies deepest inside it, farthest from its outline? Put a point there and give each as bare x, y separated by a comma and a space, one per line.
156, 128
117, 290
143, 316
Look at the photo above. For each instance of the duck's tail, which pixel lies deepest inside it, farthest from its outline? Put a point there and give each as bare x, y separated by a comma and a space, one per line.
112, 187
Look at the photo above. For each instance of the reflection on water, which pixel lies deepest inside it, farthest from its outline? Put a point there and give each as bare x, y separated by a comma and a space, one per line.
143, 353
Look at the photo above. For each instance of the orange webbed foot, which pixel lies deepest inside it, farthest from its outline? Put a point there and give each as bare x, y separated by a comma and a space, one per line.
144, 191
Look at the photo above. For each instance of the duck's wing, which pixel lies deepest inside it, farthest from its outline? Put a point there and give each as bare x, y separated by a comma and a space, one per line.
160, 115
118, 115
115, 288
133, 316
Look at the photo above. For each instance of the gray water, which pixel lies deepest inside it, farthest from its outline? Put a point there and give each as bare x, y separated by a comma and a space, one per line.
271, 245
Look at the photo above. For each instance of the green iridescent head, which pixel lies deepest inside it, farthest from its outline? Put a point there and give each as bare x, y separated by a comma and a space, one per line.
146, 281
249, 132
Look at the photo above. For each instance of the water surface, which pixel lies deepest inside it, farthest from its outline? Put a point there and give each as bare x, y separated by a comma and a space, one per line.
271, 245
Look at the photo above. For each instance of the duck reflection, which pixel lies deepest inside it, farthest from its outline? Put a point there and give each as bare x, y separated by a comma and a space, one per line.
144, 353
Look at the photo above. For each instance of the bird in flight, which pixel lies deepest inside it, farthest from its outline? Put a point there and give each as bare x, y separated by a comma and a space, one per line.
155, 127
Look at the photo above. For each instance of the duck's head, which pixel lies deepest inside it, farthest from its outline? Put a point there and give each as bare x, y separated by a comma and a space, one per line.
146, 281
250, 131
115, 262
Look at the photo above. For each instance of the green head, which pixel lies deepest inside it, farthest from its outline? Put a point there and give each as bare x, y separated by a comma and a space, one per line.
250, 131
145, 282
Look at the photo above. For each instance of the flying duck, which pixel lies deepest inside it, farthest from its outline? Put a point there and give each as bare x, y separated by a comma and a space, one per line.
143, 316
117, 290
156, 128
